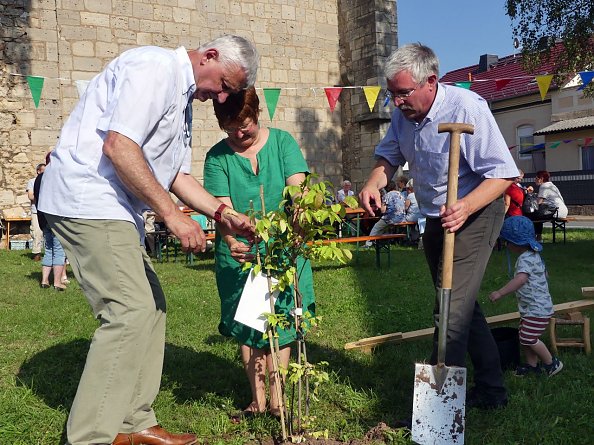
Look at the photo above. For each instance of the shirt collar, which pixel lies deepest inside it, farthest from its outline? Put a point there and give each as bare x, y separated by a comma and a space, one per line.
436, 105
189, 83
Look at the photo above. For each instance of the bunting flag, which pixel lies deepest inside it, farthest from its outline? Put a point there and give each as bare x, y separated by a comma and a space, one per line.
35, 85
271, 95
587, 141
555, 144
512, 147
81, 86
501, 83
332, 94
371, 94
544, 82
587, 77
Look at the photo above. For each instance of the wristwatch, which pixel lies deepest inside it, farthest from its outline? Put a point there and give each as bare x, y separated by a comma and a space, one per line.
219, 213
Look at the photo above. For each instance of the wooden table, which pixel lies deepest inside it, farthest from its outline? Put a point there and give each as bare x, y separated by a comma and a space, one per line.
10, 220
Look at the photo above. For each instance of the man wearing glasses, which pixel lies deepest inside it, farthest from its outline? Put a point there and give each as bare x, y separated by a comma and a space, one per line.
486, 170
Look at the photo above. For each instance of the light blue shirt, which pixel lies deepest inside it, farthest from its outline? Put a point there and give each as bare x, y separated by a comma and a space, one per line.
142, 94
484, 155
534, 299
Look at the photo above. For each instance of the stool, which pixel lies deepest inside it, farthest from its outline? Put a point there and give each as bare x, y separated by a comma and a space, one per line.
572, 319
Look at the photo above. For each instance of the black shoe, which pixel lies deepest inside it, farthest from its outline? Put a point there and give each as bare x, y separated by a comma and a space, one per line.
481, 400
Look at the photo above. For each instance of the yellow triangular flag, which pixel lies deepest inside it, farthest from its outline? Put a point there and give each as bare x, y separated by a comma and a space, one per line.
371, 94
544, 82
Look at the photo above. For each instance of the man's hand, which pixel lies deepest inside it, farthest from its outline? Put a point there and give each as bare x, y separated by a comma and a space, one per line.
237, 223
370, 199
455, 216
188, 232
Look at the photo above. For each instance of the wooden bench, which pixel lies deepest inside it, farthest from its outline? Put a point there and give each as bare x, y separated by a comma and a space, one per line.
557, 223
381, 242
407, 225
367, 344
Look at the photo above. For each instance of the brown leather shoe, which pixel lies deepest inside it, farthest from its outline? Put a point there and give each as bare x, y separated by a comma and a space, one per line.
154, 436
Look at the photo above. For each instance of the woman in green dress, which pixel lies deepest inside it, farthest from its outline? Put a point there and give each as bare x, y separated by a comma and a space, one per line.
234, 170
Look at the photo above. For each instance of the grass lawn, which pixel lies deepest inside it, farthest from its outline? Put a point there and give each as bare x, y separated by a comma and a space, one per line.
44, 337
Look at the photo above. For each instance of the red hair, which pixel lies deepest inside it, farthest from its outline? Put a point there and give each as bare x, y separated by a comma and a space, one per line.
544, 175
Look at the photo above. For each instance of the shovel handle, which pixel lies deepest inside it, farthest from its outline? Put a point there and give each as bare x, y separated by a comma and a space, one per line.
447, 268
455, 129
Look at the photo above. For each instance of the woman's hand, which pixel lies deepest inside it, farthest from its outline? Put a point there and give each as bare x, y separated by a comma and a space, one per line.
240, 252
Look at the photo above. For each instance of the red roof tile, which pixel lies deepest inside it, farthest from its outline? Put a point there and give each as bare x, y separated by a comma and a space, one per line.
509, 67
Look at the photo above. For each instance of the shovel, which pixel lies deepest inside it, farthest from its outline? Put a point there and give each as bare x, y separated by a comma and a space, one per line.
440, 391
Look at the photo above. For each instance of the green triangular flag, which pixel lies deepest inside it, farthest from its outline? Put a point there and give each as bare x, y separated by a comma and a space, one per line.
555, 144
271, 95
463, 84
36, 85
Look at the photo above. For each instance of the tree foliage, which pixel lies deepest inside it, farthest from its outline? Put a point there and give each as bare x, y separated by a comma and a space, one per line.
540, 24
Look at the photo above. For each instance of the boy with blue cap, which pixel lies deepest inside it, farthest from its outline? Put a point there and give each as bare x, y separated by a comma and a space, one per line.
532, 291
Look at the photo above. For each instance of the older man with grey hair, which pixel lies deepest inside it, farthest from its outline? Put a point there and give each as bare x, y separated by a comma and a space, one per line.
486, 170
125, 146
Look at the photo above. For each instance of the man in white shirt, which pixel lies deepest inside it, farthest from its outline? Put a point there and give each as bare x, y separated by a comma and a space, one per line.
125, 146
36, 232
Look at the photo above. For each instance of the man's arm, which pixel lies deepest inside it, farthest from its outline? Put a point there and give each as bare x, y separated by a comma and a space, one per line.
132, 169
370, 196
490, 189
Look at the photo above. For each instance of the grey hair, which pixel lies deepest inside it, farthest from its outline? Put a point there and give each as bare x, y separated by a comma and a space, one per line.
236, 52
346, 182
418, 59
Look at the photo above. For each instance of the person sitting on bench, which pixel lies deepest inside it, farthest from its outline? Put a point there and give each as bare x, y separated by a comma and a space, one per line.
393, 212
549, 198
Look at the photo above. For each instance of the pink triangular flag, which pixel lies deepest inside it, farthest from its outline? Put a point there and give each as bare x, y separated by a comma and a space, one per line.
587, 141
332, 94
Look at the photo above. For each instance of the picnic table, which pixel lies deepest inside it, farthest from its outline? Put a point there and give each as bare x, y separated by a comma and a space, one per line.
8, 220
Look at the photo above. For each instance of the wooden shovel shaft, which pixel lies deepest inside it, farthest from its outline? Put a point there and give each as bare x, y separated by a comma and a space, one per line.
448, 240
452, 194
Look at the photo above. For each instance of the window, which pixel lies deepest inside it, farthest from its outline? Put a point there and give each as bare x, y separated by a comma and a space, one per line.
588, 158
525, 139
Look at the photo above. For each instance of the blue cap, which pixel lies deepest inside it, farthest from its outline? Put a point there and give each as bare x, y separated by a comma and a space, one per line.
519, 230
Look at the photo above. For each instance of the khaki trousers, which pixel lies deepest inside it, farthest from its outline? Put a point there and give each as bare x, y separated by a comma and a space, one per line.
122, 372
36, 234
468, 330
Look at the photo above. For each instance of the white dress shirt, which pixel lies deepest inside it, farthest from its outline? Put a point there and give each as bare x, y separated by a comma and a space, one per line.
144, 95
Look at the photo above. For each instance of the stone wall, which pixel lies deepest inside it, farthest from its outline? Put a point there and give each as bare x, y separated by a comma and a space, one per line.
367, 37
69, 40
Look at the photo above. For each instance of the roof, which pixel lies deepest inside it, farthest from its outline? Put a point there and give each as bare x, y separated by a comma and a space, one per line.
485, 84
581, 123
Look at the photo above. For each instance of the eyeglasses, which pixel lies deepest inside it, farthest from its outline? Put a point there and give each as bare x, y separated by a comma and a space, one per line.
234, 130
389, 96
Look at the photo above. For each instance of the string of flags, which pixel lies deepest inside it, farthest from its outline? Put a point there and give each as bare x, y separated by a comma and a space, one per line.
552, 145
371, 93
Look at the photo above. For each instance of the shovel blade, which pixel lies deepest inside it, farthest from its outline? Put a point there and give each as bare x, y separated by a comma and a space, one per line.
439, 404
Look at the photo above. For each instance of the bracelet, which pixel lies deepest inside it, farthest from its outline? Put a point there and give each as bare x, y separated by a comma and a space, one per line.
219, 213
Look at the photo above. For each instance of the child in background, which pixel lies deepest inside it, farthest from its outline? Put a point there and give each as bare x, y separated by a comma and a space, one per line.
532, 291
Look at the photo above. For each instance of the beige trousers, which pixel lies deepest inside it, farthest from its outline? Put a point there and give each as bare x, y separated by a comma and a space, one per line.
36, 234
123, 369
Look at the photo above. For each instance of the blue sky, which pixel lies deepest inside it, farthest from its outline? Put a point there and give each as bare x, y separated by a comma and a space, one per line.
459, 31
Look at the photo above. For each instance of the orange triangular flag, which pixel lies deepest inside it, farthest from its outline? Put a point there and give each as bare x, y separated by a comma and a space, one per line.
332, 94
501, 83
371, 94
544, 82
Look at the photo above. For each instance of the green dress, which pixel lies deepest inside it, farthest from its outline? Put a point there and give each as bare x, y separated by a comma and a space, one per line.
229, 174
